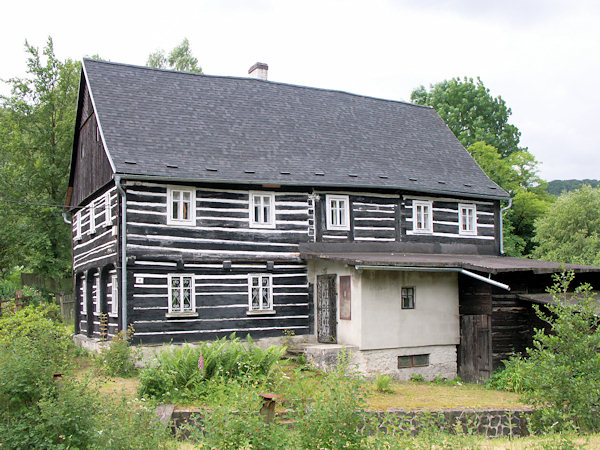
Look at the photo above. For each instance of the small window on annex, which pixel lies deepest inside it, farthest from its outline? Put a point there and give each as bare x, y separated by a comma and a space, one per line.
181, 294
408, 298
260, 293
467, 219
181, 206
338, 212
262, 210
408, 361
422, 217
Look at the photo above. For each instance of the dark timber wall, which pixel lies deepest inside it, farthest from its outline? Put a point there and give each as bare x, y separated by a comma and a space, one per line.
92, 169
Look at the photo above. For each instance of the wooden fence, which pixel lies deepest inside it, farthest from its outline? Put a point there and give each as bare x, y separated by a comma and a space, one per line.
67, 307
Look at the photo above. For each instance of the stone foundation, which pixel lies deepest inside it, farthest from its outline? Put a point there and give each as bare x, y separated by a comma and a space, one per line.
491, 423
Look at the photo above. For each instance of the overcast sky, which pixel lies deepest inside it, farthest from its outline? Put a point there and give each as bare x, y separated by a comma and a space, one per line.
541, 56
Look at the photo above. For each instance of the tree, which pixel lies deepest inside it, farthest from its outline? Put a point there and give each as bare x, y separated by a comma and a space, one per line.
569, 231
180, 58
472, 113
516, 174
36, 136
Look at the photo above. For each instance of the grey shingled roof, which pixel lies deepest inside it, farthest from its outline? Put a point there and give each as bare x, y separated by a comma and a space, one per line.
255, 131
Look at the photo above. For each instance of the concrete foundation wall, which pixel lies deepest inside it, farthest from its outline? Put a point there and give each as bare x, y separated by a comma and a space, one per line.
442, 362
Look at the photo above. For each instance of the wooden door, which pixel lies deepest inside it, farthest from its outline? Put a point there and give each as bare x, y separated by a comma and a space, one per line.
475, 349
326, 310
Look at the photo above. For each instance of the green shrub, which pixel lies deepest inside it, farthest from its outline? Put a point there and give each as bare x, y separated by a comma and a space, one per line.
513, 377
116, 359
382, 383
184, 370
417, 378
564, 365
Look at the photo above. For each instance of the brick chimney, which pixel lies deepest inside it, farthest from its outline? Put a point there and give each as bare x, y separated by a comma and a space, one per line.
259, 70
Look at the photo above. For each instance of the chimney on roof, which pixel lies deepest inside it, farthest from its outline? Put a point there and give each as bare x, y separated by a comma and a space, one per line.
259, 70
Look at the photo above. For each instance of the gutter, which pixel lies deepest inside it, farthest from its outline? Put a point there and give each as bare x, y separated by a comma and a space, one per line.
510, 200
436, 269
123, 252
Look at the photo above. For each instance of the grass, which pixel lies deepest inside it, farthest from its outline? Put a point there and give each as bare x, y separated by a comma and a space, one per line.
410, 395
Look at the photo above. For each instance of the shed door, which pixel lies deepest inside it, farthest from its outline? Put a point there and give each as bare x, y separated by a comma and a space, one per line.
475, 351
326, 312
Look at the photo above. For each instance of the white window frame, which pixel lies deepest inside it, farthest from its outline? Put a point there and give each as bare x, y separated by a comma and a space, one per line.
77, 220
262, 308
467, 207
428, 227
180, 310
92, 214
406, 289
191, 220
114, 296
97, 305
84, 295
107, 210
333, 216
262, 223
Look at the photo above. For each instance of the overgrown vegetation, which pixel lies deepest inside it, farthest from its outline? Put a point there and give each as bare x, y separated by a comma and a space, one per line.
561, 375
116, 359
182, 372
42, 406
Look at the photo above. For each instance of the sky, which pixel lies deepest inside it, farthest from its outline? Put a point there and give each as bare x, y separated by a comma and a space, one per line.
541, 56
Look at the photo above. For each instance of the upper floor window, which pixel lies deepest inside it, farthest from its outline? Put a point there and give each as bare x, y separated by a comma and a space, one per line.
260, 293
467, 219
107, 210
338, 212
422, 216
92, 216
262, 210
181, 294
77, 225
181, 206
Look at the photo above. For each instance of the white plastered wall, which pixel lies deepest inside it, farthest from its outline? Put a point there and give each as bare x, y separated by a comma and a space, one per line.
433, 321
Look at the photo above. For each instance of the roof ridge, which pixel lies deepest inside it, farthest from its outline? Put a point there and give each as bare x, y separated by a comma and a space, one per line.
231, 77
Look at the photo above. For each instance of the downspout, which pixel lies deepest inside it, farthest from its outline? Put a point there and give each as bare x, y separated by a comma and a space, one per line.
67, 221
123, 252
501, 226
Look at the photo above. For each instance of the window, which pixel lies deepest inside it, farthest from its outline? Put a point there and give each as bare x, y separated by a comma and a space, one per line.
92, 215
345, 297
262, 210
181, 206
422, 220
107, 211
408, 298
77, 225
260, 293
467, 219
181, 294
114, 296
338, 212
84, 295
405, 362
97, 293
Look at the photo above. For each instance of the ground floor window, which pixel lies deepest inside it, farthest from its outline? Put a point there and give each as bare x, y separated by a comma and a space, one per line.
181, 293
260, 292
408, 361
114, 296
408, 298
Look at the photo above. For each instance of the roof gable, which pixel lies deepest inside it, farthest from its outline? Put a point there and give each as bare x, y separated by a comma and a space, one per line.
183, 126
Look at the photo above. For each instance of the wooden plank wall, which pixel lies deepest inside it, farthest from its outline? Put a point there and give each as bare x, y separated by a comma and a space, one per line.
221, 301
92, 169
221, 231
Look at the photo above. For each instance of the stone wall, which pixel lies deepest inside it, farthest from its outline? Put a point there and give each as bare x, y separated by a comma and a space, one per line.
491, 423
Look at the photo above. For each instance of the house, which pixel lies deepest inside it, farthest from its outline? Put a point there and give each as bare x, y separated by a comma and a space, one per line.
205, 205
